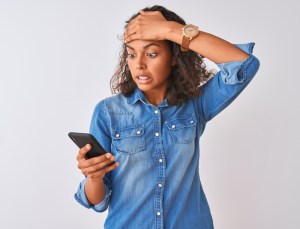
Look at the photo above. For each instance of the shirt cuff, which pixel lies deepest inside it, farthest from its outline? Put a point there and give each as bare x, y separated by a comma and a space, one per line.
235, 72
81, 198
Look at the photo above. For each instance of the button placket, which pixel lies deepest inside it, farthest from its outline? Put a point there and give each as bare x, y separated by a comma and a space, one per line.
160, 166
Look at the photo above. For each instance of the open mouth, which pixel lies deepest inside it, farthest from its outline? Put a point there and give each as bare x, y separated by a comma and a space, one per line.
143, 79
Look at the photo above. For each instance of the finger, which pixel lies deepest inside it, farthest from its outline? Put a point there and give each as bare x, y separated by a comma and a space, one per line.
129, 31
132, 37
100, 162
83, 151
106, 158
93, 161
103, 171
100, 166
149, 12
129, 25
128, 39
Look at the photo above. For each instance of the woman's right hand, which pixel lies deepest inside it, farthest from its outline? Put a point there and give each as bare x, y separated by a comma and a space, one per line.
95, 168
148, 25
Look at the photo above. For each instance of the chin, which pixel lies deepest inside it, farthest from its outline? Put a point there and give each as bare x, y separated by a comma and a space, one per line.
144, 87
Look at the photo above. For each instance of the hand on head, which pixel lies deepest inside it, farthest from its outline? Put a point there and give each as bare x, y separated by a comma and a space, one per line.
148, 25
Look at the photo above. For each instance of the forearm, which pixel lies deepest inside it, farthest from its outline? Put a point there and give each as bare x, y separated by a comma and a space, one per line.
95, 191
211, 47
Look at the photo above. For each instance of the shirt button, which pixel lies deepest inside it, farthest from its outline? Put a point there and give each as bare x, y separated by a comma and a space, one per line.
156, 134
117, 135
158, 213
159, 185
156, 111
192, 122
160, 160
138, 132
173, 126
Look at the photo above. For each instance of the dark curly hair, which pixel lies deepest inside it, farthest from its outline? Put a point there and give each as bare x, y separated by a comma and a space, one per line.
185, 78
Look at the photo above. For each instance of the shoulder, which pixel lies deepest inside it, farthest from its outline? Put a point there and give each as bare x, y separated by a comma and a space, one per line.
111, 103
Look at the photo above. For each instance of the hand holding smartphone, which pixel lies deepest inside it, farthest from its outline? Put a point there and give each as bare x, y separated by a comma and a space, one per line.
81, 139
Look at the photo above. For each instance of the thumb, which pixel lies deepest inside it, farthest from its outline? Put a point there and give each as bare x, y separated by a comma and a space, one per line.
83, 151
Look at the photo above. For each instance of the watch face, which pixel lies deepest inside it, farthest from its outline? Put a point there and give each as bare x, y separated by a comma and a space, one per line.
190, 30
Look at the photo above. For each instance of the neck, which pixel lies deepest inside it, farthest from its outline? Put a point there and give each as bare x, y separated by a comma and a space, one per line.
155, 98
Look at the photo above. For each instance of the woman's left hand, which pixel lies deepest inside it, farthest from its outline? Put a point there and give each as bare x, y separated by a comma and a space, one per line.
149, 25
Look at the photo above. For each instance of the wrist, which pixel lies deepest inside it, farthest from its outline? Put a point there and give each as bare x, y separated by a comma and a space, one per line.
189, 32
95, 181
173, 32
94, 191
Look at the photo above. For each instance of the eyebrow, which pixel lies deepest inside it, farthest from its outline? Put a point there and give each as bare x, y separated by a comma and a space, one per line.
146, 46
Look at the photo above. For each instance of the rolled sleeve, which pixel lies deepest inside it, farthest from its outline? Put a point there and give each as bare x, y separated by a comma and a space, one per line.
100, 130
82, 199
233, 72
228, 83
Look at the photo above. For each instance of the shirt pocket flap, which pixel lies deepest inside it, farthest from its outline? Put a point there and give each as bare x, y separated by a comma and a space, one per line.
128, 132
182, 123
129, 140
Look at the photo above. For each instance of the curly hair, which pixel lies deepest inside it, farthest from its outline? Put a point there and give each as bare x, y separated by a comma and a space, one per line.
185, 78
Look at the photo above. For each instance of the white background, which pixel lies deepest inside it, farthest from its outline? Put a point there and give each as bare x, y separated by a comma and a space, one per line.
56, 60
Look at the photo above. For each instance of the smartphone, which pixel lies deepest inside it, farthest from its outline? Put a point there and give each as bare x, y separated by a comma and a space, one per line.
81, 139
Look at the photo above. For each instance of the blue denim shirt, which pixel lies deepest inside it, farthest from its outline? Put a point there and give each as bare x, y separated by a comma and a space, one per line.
157, 184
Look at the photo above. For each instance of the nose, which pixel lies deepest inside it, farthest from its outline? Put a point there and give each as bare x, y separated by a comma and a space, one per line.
140, 67
140, 64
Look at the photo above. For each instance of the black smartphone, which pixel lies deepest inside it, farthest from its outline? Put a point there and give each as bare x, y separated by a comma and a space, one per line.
81, 139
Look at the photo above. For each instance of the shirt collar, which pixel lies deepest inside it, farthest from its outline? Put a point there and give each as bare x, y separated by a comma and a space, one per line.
138, 95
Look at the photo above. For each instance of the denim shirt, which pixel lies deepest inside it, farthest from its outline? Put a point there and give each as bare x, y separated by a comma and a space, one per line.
157, 184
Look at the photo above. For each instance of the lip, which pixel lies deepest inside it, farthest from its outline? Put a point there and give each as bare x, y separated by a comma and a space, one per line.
143, 79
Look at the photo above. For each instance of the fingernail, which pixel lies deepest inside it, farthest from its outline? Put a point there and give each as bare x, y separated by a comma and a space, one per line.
108, 155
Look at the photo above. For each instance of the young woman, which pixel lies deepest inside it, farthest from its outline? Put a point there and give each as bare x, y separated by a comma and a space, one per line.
151, 127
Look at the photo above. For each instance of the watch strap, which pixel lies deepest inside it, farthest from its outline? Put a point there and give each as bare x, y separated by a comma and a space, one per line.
185, 43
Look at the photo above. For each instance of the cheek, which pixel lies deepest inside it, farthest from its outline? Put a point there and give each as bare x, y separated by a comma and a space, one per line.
167, 73
130, 67
164, 69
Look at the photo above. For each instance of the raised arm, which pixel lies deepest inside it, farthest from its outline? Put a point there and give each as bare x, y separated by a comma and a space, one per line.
153, 26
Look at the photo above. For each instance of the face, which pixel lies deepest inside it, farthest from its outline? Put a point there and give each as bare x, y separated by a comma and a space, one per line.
150, 65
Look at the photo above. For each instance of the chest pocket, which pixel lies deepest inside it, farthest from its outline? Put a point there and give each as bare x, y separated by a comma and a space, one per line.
129, 140
183, 130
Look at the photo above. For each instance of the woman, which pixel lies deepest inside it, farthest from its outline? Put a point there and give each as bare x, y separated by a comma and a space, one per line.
153, 124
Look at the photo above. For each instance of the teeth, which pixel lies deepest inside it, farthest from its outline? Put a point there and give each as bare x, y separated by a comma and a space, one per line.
143, 77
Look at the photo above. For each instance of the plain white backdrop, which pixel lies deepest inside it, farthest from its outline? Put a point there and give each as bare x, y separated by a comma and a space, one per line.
56, 60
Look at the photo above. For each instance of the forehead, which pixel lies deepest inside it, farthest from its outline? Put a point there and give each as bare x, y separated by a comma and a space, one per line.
145, 44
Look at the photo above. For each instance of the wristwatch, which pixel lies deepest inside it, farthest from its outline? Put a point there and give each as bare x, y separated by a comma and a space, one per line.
189, 32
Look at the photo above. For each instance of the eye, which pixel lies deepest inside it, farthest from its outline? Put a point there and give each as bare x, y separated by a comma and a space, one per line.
131, 56
152, 54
